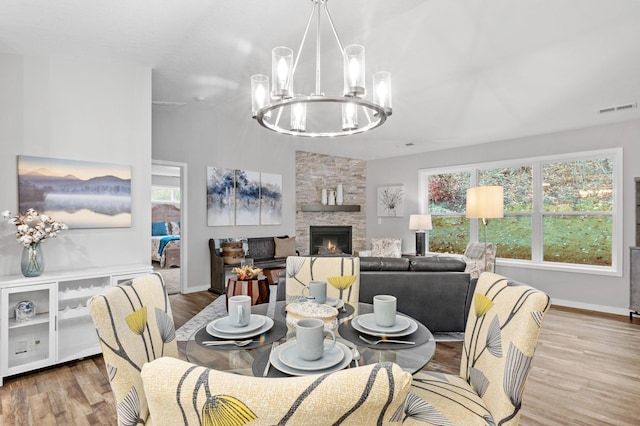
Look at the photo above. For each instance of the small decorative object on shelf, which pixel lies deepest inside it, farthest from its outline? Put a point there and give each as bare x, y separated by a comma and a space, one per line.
25, 311
324, 197
339, 195
31, 229
247, 272
332, 198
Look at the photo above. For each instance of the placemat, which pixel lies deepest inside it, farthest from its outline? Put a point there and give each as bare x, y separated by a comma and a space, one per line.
276, 332
421, 336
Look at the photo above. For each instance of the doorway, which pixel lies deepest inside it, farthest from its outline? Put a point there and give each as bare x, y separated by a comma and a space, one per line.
169, 205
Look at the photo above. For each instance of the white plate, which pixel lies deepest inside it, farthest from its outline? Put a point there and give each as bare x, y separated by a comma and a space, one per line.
368, 321
222, 325
268, 323
274, 358
289, 357
413, 326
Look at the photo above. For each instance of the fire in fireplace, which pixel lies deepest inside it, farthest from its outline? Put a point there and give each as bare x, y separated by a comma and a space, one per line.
330, 240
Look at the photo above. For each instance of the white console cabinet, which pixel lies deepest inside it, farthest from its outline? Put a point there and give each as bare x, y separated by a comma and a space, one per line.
62, 329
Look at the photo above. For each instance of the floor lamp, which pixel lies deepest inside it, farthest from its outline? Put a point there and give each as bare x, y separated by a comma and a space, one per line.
485, 202
420, 223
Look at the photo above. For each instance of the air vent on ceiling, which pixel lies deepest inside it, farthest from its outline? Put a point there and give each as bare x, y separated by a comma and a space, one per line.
619, 108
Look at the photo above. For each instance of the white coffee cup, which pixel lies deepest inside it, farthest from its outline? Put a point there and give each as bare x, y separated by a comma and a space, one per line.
310, 339
317, 290
384, 310
239, 310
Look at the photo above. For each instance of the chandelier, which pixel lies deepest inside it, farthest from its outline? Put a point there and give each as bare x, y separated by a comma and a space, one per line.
279, 109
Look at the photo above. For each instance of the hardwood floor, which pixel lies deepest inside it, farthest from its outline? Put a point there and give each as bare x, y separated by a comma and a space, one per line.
586, 371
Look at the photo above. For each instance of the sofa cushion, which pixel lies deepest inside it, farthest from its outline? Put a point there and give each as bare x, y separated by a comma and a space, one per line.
437, 264
285, 247
384, 264
183, 393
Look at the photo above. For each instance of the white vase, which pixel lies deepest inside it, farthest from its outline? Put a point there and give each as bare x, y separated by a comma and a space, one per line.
324, 197
332, 198
339, 195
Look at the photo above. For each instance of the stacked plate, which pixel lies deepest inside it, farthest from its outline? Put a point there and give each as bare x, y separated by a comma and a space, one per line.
222, 329
366, 323
286, 359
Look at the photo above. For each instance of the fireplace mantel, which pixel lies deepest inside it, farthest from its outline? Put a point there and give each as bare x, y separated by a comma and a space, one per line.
327, 208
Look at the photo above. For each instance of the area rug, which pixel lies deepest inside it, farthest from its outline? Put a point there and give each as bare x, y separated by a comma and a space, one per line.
218, 308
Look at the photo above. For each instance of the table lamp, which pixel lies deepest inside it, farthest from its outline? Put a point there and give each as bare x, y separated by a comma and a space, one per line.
421, 223
485, 202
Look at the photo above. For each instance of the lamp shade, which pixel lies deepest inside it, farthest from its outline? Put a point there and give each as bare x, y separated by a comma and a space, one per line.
485, 202
421, 222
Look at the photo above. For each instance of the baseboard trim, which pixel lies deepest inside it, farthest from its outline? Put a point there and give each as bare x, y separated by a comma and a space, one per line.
590, 307
195, 289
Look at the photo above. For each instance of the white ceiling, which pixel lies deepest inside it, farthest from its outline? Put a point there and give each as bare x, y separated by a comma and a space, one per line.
463, 71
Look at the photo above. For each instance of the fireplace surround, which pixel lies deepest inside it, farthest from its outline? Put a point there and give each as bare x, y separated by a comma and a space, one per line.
330, 240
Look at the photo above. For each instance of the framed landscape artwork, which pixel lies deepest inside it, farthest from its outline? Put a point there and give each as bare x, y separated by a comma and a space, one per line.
390, 200
82, 194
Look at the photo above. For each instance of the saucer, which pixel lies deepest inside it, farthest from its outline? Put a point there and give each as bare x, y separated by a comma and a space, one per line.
223, 325
413, 326
289, 357
268, 323
274, 359
368, 321
332, 301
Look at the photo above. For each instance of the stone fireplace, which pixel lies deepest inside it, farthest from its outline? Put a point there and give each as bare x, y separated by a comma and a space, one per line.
330, 240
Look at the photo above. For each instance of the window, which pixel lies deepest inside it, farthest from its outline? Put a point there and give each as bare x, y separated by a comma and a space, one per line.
559, 213
165, 194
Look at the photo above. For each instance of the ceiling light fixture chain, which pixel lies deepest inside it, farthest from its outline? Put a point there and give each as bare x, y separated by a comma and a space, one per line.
318, 115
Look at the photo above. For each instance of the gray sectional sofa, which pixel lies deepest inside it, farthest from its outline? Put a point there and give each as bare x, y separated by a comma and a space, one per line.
434, 289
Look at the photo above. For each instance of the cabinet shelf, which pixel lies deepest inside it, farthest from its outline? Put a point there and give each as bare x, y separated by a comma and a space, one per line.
39, 319
327, 208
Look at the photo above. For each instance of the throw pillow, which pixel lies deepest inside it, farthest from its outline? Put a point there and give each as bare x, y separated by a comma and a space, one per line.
175, 228
285, 247
159, 229
179, 392
386, 247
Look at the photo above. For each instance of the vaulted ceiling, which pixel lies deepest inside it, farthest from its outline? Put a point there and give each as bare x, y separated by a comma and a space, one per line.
463, 71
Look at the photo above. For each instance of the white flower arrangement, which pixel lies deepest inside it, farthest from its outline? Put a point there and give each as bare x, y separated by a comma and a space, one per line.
33, 227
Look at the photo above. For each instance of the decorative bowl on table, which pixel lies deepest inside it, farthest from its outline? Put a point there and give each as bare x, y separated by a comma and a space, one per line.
297, 311
25, 310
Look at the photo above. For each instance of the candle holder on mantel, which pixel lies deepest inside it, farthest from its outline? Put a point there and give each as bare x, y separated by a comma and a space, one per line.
324, 197
339, 195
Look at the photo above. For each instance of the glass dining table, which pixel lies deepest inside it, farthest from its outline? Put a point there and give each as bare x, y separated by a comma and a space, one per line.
253, 358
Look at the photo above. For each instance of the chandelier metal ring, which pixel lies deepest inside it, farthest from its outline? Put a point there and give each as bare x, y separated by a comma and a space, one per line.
377, 115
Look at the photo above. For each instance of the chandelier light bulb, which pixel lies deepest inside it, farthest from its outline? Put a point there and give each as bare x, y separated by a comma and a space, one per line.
382, 90
259, 92
281, 66
354, 70
298, 117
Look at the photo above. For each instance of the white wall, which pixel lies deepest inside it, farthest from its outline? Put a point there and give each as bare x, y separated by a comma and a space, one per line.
77, 110
200, 136
597, 292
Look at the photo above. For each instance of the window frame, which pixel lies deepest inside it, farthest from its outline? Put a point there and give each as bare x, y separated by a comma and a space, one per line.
173, 190
538, 214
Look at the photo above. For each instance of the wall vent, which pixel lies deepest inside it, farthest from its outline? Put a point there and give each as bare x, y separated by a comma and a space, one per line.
619, 108
167, 105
